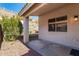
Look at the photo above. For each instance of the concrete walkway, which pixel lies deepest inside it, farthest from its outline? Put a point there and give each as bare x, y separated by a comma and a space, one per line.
46, 48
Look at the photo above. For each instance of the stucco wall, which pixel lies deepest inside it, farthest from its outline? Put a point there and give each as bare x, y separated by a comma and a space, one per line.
69, 38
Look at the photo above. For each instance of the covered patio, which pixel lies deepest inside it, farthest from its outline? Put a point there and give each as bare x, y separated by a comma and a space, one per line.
55, 41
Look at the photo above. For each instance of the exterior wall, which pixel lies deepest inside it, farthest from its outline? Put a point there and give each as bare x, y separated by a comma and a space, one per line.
69, 38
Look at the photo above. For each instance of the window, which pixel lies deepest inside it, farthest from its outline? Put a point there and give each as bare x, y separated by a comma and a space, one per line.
56, 24
51, 27
51, 20
63, 18
61, 27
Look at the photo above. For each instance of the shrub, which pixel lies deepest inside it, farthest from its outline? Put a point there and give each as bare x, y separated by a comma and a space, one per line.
12, 27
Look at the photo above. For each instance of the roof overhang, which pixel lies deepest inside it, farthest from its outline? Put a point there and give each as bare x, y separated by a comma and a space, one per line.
37, 9
25, 8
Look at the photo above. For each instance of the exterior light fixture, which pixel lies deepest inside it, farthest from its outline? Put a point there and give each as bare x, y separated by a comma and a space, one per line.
75, 18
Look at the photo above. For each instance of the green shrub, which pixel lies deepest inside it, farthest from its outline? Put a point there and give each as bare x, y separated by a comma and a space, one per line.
12, 27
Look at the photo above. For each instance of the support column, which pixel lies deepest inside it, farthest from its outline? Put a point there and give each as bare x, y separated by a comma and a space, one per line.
26, 30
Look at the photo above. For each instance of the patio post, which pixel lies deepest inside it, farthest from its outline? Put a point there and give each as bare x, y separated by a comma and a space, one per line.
26, 30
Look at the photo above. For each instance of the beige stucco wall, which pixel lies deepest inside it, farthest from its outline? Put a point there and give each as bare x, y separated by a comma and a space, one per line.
69, 38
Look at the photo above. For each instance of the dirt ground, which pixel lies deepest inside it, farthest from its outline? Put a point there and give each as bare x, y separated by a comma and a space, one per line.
14, 48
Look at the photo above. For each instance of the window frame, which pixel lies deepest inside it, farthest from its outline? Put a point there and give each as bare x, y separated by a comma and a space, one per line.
55, 22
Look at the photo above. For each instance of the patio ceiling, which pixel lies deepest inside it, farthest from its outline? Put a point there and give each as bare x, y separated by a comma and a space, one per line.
41, 8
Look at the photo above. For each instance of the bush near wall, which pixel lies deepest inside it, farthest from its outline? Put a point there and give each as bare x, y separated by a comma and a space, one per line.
12, 27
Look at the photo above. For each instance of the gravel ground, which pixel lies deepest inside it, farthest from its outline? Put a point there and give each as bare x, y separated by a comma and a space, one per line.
14, 48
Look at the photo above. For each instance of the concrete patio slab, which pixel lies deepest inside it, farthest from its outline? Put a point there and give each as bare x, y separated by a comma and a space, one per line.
49, 49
